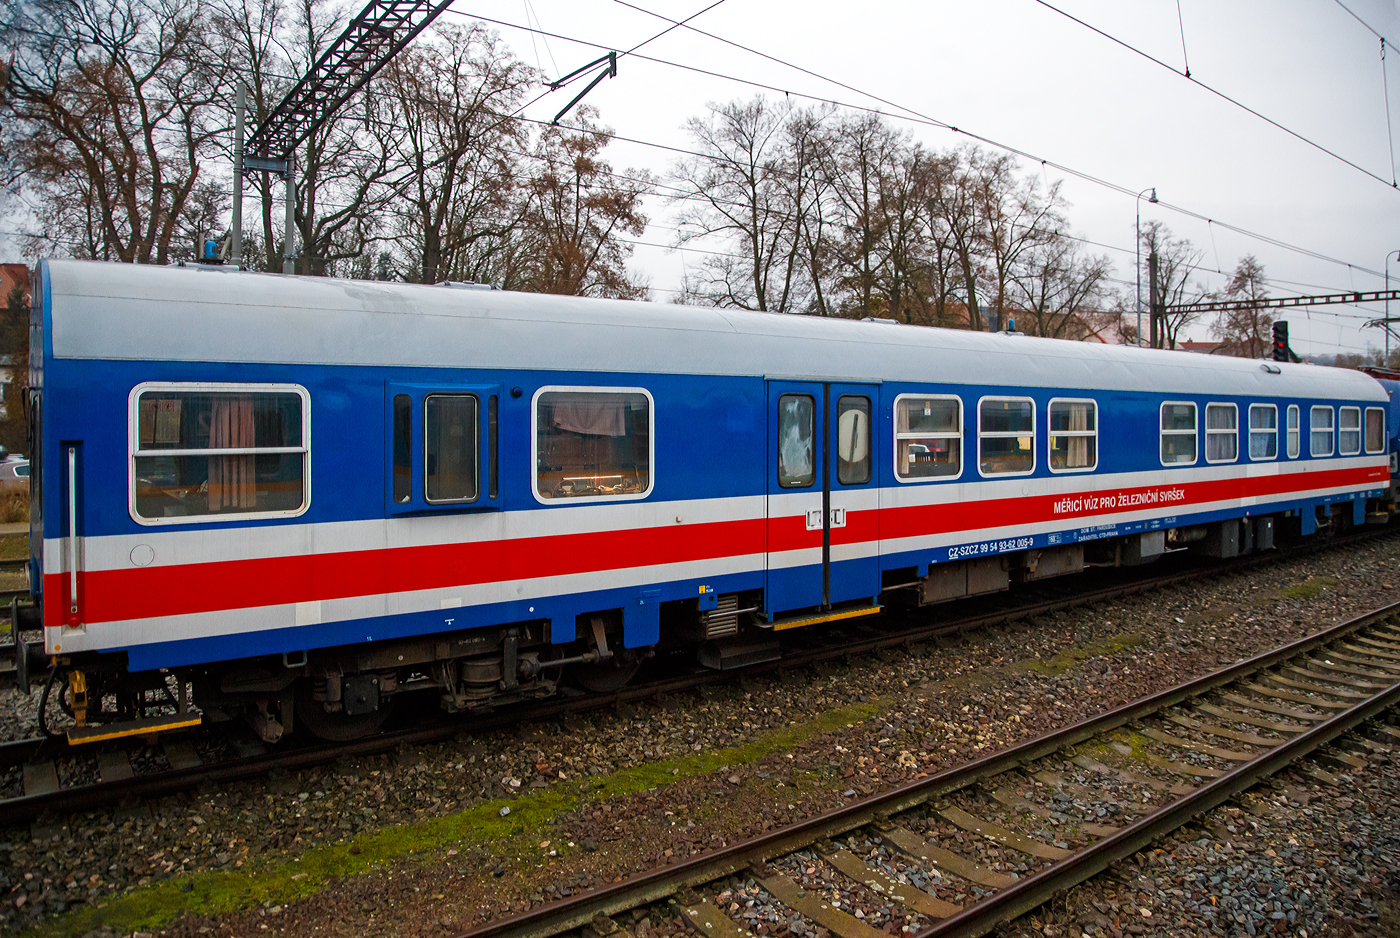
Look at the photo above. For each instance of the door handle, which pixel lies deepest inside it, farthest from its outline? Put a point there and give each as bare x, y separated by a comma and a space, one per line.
814, 519
73, 533
838, 517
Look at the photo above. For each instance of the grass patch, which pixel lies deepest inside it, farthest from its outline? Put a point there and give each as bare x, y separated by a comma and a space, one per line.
1311, 588
14, 506
1066, 660
14, 546
218, 892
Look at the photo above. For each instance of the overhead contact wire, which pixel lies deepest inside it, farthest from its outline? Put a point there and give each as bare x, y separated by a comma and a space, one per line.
921, 118
1219, 94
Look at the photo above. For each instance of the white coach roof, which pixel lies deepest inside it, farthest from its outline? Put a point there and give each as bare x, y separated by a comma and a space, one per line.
145, 313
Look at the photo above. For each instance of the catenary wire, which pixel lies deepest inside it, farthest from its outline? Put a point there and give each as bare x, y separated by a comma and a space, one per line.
919, 118
1359, 19
916, 118
1220, 94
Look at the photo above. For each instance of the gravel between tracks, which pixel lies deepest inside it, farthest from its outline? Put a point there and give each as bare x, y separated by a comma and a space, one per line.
414, 843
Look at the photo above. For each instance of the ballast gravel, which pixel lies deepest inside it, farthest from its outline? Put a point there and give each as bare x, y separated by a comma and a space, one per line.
914, 712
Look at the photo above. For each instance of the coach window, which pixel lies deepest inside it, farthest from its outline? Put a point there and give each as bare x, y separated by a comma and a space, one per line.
797, 463
1178, 433
593, 443
1263, 431
1005, 436
1375, 430
403, 449
1320, 431
927, 437
1222, 433
1074, 436
853, 439
1294, 434
206, 452
450, 448
1349, 431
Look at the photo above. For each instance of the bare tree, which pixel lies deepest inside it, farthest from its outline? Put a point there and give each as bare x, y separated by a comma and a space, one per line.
737, 190
1177, 262
807, 147
456, 158
343, 164
952, 203
864, 160
914, 274
1057, 290
113, 105
255, 36
1016, 218
1245, 332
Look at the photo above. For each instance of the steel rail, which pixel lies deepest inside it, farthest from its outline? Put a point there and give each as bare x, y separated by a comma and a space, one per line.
25, 808
1034, 891
562, 915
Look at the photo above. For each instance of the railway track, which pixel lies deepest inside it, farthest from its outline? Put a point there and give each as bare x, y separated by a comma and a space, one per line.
216, 755
989, 841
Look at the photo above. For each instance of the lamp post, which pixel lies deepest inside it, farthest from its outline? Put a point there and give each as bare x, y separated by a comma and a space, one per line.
1387, 305
1137, 206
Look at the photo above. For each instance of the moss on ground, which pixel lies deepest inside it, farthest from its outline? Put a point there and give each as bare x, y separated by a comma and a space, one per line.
1134, 741
1065, 660
1310, 588
281, 880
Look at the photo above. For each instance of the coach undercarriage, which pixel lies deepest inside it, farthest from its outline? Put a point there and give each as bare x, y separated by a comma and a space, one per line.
348, 693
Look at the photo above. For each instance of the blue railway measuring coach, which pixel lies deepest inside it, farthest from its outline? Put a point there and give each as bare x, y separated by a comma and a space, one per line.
293, 500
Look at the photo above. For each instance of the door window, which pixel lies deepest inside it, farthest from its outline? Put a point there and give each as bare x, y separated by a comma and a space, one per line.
797, 465
853, 440
449, 448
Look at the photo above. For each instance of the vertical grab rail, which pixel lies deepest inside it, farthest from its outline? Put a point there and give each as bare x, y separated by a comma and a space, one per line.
73, 532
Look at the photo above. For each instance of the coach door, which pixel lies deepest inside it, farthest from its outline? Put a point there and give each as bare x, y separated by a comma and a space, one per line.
823, 532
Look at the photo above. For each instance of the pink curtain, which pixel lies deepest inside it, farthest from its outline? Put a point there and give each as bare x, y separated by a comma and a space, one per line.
231, 478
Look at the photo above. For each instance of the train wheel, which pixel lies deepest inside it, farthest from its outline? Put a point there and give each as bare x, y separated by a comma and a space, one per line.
311, 714
604, 677
618, 665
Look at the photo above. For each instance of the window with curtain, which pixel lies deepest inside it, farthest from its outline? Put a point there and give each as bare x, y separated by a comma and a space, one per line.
1320, 431
1375, 430
1222, 433
1349, 431
219, 452
1178, 433
1263, 431
927, 437
1294, 433
1006, 436
592, 444
1074, 435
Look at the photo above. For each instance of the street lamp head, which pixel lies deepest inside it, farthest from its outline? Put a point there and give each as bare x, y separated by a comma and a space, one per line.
1153, 197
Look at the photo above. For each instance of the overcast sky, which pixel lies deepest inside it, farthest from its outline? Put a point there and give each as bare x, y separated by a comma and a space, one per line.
1023, 75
